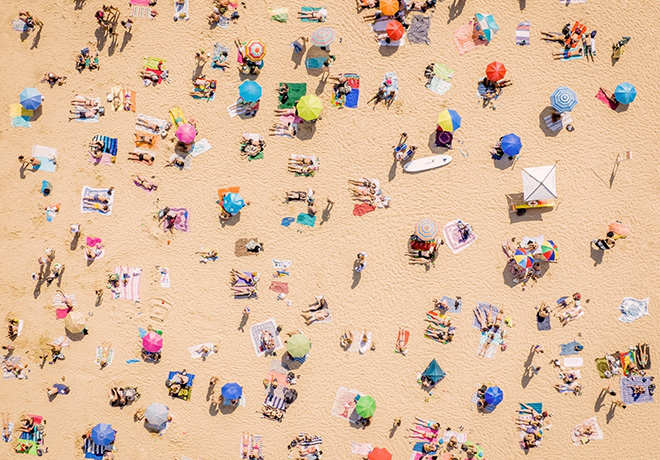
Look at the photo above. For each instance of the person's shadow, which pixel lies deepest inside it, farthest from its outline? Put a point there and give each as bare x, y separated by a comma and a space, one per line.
244, 320
356, 279
610, 413
596, 255
598, 405
325, 216
455, 10
127, 38
35, 40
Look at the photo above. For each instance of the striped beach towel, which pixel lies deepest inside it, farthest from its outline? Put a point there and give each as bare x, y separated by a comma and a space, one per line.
131, 289
140, 11
556, 126
522, 33
464, 39
109, 151
275, 402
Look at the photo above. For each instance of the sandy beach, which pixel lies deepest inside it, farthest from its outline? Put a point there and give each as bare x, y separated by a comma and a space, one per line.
390, 293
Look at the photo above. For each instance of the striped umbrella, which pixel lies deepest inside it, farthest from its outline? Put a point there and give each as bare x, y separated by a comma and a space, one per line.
394, 30
523, 258
449, 120
255, 50
625, 93
563, 99
549, 251
426, 230
389, 7
495, 71
323, 36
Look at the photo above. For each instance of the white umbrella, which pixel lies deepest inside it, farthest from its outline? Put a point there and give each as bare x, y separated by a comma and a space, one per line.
539, 183
156, 414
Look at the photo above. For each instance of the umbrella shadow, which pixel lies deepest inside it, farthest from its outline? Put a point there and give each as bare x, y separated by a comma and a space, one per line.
441, 150
233, 220
503, 163
306, 131
549, 110
386, 51
36, 114
622, 108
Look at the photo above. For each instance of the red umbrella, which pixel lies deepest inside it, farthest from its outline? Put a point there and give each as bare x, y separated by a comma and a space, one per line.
380, 454
495, 71
394, 30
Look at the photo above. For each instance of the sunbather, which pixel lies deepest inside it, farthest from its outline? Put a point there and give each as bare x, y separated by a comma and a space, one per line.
316, 316
52, 79
141, 157
84, 101
31, 161
27, 424
283, 129
306, 170
570, 315
149, 75
498, 320
319, 16
80, 115
346, 339
103, 362
421, 434
567, 54
176, 161
486, 321
153, 126
240, 291
248, 278
5, 425
573, 387
431, 424
92, 204
439, 321
144, 183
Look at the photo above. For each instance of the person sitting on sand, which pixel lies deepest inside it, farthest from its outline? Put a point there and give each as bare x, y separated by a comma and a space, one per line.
141, 157
380, 95
144, 183
53, 79
31, 161
116, 397
316, 316
320, 304
27, 424
319, 16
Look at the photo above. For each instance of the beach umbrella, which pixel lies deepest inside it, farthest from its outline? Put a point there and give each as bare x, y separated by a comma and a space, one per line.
493, 396
309, 107
298, 345
233, 203
250, 91
426, 230
511, 145
619, 229
255, 50
366, 406
625, 93
563, 99
152, 342
231, 391
103, 434
449, 120
30, 98
539, 183
549, 251
495, 71
488, 25
379, 454
434, 372
186, 133
389, 7
523, 258
157, 414
323, 36
394, 30
74, 322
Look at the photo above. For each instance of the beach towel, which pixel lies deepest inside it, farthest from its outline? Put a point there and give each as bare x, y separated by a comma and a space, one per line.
307, 9
571, 57
418, 32
296, 91
199, 147
361, 449
140, 2
195, 352
440, 83
632, 309
99, 355
627, 393
21, 122
256, 332
93, 450
460, 437
392, 87
164, 277
603, 367
108, 152
344, 404
180, 221
453, 237
464, 39
455, 305
19, 25
281, 264
89, 192
211, 93
181, 11
484, 307
603, 98
492, 347
522, 33
280, 287
131, 289
61, 313
243, 109
543, 324
81, 109
567, 349
597, 433
306, 219
12, 360
362, 209
286, 221
350, 99
379, 27
627, 359
219, 56
573, 361
10, 429
128, 95
556, 126
187, 160
161, 123
177, 116
47, 156
140, 11
315, 62
279, 14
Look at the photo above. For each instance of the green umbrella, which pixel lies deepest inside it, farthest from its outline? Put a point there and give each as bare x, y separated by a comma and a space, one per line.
366, 406
298, 345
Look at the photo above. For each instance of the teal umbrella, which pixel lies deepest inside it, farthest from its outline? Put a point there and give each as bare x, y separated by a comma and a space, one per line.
233, 203
625, 93
250, 91
434, 372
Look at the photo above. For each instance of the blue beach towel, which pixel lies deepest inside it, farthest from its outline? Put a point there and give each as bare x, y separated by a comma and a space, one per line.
569, 348
394, 84
46, 165
307, 9
543, 324
454, 305
306, 219
627, 392
484, 307
20, 122
538, 407
191, 377
287, 221
315, 62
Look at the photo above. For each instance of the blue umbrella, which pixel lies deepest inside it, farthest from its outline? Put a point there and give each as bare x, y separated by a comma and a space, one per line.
563, 99
488, 25
233, 203
103, 434
625, 93
434, 372
30, 98
493, 396
250, 91
511, 145
231, 391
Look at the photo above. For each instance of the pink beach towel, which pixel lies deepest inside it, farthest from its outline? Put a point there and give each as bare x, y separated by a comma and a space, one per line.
603, 98
181, 220
140, 2
454, 239
130, 290
344, 405
464, 39
279, 286
363, 208
106, 159
61, 313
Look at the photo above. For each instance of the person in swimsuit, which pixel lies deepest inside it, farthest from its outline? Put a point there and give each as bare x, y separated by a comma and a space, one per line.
144, 183
320, 304
176, 161
432, 424
32, 161
155, 127
82, 115
90, 203
319, 16
316, 316
141, 157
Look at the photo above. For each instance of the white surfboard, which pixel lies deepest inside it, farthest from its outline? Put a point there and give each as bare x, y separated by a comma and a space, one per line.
422, 164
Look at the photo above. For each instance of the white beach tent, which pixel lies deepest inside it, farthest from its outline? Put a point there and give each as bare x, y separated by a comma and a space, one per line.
539, 183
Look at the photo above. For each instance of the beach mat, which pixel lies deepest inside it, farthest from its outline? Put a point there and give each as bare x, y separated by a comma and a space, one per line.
296, 91
181, 11
350, 99
279, 287
158, 121
256, 334
597, 433
199, 147
484, 307
180, 221
603, 98
108, 153
12, 360
99, 355
441, 81
19, 25
418, 32
567, 349
315, 62
218, 50
453, 237
93, 119
522, 33
140, 11
362, 209
380, 26
130, 290
464, 40
455, 305
344, 404
305, 219
47, 156
89, 192
627, 392
632, 309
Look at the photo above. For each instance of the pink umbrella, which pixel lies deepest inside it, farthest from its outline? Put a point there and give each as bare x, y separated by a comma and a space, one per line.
152, 342
186, 133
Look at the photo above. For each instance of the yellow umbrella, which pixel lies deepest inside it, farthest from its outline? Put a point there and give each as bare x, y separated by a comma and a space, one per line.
74, 322
309, 107
449, 120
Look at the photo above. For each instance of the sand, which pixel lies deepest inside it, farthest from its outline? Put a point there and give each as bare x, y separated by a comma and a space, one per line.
390, 293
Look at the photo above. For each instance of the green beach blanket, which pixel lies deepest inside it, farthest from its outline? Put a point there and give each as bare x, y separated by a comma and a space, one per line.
296, 91
442, 71
602, 366
152, 62
279, 14
260, 156
305, 219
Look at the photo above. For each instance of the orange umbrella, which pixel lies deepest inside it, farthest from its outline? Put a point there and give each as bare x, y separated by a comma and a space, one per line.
495, 71
394, 30
619, 229
380, 454
389, 7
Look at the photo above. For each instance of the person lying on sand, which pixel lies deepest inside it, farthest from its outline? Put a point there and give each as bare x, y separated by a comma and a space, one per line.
155, 127
141, 157
319, 16
103, 362
316, 316
80, 115
144, 183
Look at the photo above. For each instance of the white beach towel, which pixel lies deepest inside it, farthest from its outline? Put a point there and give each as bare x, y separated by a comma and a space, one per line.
241, 109
632, 309
195, 353
181, 11
573, 361
130, 290
89, 192
361, 449
281, 264
158, 121
200, 147
62, 341
80, 108
460, 437
380, 26
365, 346
58, 301
256, 334
47, 152
99, 355
164, 277
570, 2
187, 160
355, 344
